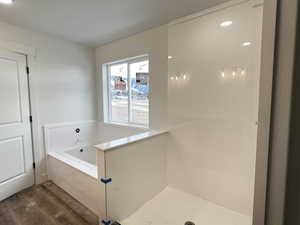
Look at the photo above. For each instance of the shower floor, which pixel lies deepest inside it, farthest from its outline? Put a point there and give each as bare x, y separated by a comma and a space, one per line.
174, 207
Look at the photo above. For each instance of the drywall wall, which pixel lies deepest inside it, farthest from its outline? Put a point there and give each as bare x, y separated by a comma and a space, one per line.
154, 43
213, 105
63, 80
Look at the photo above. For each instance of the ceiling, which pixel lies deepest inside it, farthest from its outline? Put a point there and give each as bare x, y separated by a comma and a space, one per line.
96, 22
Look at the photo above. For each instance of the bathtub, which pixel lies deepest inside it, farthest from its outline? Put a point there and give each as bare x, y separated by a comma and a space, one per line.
75, 171
80, 158
74, 166
111, 176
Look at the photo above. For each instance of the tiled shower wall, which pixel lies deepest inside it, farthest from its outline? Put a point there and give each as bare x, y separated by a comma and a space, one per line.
213, 104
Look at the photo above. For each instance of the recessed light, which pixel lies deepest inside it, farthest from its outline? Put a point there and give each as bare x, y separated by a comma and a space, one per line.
247, 43
7, 2
226, 23
170, 57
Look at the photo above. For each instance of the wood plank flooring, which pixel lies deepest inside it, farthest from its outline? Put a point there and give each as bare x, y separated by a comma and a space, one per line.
45, 204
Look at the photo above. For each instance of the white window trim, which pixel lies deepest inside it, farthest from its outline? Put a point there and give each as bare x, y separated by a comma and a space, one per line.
106, 77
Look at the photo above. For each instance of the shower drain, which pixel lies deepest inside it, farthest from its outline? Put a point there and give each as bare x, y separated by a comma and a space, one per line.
189, 223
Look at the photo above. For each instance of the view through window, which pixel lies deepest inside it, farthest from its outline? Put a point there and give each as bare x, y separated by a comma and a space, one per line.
129, 92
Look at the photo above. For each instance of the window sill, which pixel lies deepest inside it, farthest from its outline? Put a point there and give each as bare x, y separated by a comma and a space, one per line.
126, 125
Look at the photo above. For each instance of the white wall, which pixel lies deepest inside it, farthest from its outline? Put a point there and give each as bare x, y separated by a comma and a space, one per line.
63, 79
154, 43
212, 147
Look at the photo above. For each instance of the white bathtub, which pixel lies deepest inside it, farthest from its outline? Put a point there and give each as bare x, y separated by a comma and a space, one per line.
75, 171
122, 172
80, 158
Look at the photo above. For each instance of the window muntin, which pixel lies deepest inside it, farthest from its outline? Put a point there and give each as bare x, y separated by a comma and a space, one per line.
128, 92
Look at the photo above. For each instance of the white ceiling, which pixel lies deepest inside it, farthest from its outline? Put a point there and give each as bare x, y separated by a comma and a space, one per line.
95, 22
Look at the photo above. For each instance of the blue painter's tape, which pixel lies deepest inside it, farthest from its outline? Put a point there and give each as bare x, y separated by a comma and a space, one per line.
106, 180
106, 222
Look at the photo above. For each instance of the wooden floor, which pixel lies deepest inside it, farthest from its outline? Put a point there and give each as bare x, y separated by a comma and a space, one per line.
44, 204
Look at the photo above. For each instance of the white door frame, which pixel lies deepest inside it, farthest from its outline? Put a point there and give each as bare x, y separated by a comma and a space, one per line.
30, 53
264, 115
286, 40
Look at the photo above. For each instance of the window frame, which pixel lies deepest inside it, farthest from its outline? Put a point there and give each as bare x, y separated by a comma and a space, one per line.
107, 91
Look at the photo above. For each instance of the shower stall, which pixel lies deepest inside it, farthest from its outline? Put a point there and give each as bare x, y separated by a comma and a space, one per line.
206, 169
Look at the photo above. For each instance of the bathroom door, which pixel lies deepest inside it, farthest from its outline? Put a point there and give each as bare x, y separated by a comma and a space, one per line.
16, 159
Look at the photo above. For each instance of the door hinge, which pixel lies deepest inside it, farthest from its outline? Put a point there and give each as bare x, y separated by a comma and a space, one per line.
33, 165
27, 69
30, 119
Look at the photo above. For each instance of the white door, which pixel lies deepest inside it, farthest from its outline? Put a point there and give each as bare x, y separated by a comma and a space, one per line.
16, 160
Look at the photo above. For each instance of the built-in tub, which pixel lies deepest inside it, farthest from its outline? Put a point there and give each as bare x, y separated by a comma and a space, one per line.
80, 158
103, 176
75, 171
86, 155
72, 160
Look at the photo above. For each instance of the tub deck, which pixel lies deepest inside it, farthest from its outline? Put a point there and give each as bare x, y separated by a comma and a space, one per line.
45, 204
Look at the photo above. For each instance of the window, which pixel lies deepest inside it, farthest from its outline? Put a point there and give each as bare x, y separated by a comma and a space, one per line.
127, 91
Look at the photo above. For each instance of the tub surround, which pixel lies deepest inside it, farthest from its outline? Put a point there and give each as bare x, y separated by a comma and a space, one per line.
129, 140
138, 173
127, 177
76, 182
60, 137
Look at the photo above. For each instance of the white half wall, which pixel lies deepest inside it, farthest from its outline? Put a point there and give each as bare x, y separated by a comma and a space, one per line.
138, 172
62, 78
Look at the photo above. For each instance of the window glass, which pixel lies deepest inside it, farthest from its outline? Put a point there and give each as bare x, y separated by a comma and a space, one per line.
128, 92
139, 75
119, 93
